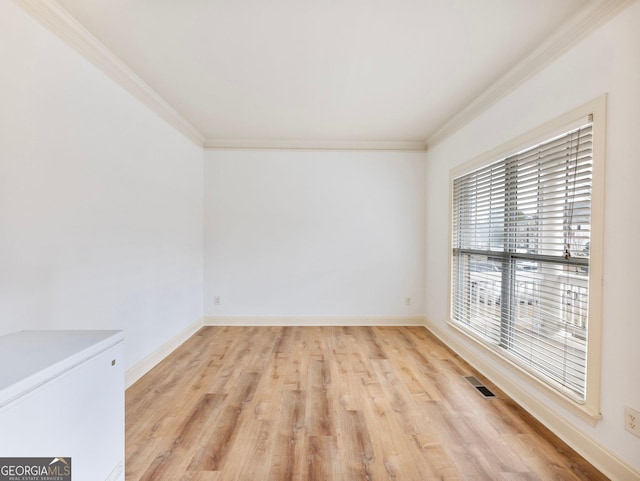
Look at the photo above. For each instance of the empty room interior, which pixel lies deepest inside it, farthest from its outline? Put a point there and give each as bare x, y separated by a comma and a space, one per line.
296, 240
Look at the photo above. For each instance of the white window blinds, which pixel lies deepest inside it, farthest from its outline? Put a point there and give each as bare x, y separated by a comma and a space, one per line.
520, 256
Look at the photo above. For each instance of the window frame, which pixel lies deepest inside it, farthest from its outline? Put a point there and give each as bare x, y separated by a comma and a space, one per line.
589, 408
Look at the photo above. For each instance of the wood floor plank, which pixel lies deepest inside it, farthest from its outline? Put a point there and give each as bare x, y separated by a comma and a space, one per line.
319, 404
256, 450
212, 454
319, 458
331, 403
287, 453
355, 444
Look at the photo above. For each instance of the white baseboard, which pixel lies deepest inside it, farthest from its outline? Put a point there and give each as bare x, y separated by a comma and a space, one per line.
602, 458
314, 321
145, 365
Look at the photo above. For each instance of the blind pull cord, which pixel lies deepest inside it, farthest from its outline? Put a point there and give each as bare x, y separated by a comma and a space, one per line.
567, 247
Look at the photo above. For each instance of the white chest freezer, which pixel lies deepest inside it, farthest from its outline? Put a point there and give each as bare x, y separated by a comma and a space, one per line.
62, 395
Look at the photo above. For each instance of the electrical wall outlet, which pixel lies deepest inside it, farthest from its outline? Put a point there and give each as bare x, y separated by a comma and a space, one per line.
407, 301
216, 301
632, 421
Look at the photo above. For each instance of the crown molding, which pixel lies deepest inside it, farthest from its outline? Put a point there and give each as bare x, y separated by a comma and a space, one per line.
55, 18
262, 144
574, 30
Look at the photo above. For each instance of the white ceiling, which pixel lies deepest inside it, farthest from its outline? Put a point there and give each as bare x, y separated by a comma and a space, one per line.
255, 72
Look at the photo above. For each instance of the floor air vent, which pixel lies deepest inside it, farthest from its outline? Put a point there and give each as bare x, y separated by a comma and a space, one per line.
482, 389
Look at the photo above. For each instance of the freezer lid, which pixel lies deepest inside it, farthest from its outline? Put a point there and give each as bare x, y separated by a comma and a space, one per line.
29, 359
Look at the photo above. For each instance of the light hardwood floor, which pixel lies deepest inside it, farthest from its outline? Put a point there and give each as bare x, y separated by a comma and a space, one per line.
330, 403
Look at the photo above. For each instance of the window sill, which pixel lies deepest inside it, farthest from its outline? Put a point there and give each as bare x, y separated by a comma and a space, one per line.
495, 365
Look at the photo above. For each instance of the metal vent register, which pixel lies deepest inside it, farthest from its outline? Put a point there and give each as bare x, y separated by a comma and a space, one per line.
481, 388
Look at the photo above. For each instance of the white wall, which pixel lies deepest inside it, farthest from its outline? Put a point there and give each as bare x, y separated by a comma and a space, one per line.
100, 200
314, 234
608, 61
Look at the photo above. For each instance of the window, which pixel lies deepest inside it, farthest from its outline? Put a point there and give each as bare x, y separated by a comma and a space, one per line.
521, 257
